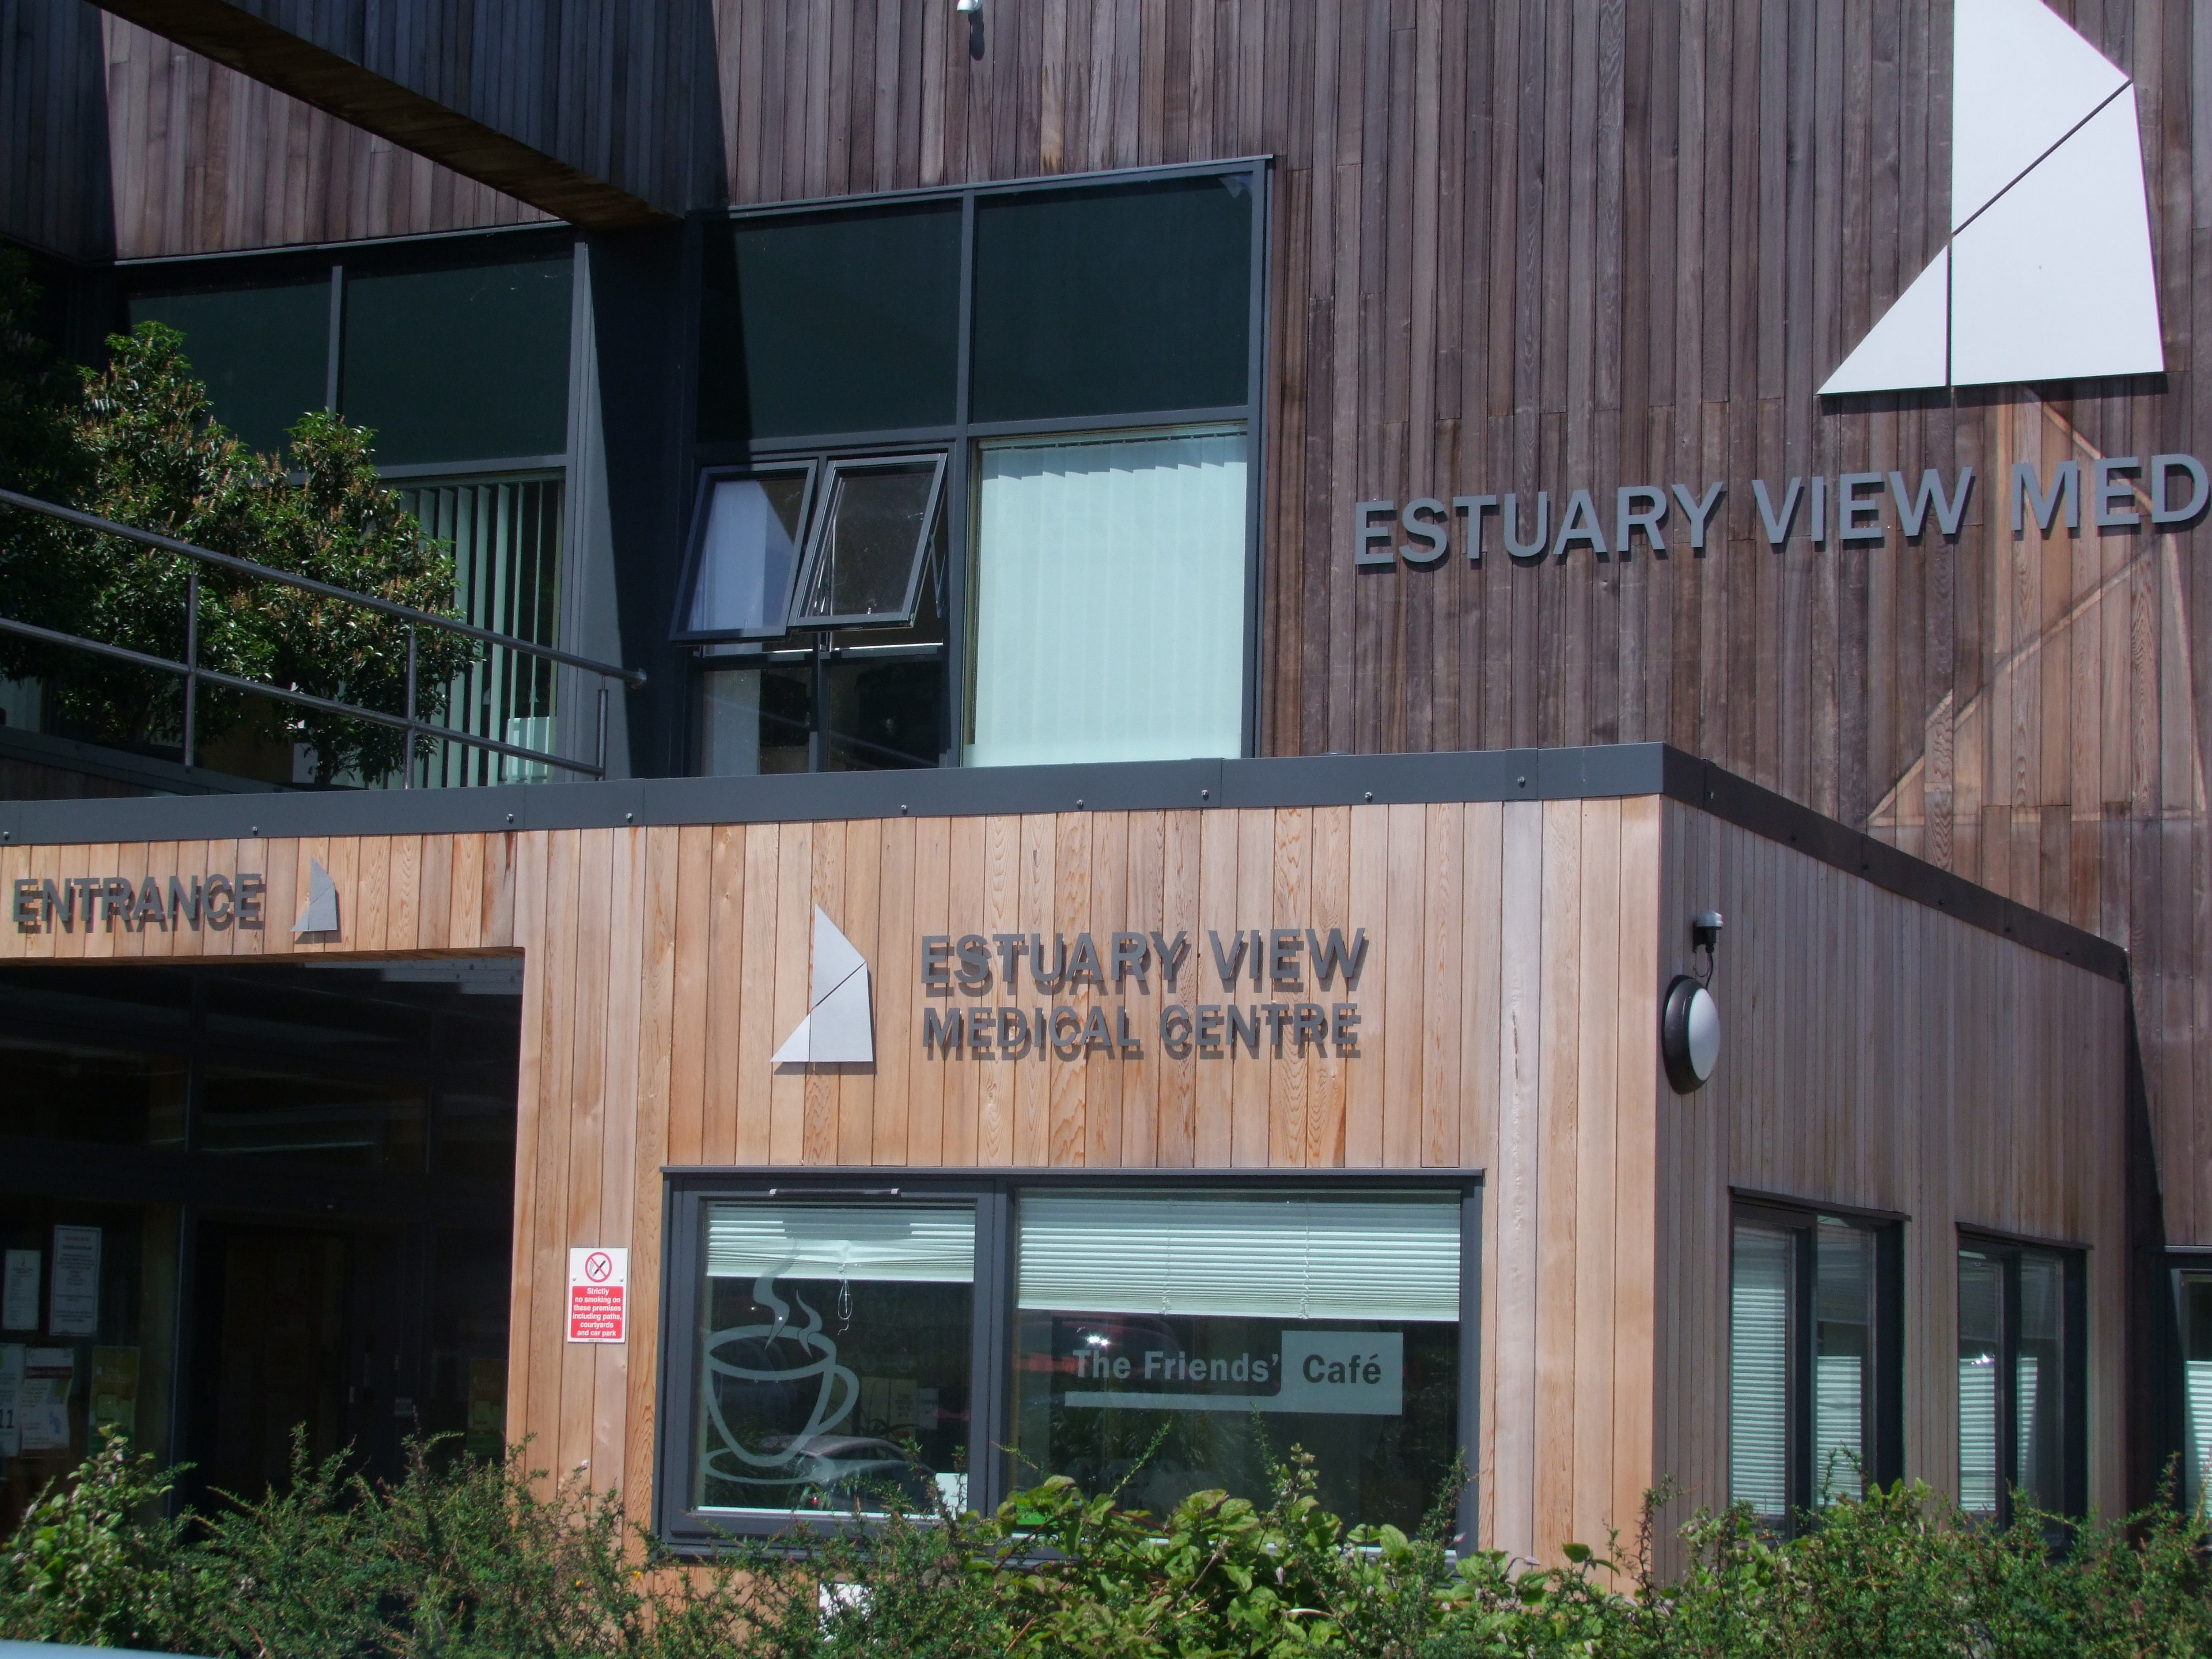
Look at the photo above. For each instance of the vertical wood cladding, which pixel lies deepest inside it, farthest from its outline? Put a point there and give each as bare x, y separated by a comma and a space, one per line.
1537, 244
54, 182
206, 161
1516, 955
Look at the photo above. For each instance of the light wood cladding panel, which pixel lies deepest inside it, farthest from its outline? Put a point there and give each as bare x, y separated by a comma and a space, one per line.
1515, 954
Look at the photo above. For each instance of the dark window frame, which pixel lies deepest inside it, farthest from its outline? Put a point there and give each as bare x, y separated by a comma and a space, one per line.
686, 1190
960, 438
2008, 1249
1883, 1436
680, 629
817, 537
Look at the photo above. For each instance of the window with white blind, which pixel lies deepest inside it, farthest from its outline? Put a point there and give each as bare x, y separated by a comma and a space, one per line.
838, 1350
2022, 1380
1110, 600
1815, 1360
1170, 1345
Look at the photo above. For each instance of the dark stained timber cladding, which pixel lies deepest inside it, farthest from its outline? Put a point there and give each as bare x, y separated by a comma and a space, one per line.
1111, 301
262, 353
463, 364
829, 322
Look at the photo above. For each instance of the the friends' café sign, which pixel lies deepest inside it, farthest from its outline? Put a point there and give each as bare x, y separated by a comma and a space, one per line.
1283, 993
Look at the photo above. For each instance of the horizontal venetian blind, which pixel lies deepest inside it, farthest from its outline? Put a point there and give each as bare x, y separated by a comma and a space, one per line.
1241, 1258
918, 1244
1758, 1371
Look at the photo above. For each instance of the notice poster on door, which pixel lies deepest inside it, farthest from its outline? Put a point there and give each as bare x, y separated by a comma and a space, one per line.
42, 1400
599, 1294
73, 1305
11, 1385
115, 1390
19, 1292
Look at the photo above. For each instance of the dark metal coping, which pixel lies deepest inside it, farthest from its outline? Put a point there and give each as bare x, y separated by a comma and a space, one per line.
1599, 772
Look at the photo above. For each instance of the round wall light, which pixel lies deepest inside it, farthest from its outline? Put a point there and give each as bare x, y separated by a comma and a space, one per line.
1690, 1035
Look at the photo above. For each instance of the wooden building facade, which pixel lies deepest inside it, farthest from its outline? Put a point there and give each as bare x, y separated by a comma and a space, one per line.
1956, 819
1507, 1015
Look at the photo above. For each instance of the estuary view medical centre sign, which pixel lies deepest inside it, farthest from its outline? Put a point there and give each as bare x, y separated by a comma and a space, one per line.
2116, 493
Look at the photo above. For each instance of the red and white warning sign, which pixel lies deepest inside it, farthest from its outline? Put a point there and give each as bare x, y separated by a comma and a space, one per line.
599, 1295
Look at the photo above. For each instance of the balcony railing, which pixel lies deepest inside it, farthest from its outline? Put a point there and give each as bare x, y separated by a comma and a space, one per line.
193, 675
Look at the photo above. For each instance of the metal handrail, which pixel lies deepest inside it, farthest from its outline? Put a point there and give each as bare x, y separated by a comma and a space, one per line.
193, 673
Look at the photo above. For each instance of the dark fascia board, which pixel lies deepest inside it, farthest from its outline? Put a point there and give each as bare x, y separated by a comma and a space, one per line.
1610, 771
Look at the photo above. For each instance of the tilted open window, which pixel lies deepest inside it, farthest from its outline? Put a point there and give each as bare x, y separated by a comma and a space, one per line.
747, 529
870, 541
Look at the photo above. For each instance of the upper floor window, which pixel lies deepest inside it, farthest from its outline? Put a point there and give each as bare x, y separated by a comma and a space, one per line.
1816, 1359
1005, 432
2023, 1379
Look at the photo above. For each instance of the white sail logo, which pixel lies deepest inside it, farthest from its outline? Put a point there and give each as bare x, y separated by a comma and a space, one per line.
2046, 274
839, 1026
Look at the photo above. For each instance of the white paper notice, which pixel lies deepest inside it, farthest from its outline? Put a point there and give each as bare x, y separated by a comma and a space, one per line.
19, 1297
11, 1384
42, 1402
73, 1305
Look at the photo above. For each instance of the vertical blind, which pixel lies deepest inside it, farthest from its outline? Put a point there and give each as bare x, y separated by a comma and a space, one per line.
1109, 621
1758, 1371
1282, 1258
505, 535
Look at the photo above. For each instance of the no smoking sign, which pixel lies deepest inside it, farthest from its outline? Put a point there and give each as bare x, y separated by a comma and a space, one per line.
599, 1294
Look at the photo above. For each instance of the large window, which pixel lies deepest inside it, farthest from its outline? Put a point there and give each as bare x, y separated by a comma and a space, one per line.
1057, 385
834, 1349
2022, 1380
1816, 1359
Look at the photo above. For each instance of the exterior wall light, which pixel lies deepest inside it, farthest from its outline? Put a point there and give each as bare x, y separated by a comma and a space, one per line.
1690, 1020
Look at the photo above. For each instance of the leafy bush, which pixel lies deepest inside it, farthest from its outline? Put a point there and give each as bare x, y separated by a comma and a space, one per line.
460, 1560
135, 442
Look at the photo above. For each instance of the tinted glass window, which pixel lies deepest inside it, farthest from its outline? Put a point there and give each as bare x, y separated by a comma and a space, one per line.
264, 352
460, 365
870, 541
748, 551
823, 322
1108, 301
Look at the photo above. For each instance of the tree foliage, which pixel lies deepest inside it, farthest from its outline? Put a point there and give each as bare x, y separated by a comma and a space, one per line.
135, 442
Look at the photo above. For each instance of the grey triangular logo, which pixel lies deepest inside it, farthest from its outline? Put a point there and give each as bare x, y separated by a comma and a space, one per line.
321, 915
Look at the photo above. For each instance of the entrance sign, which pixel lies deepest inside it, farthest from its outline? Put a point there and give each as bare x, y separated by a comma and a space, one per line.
599, 1294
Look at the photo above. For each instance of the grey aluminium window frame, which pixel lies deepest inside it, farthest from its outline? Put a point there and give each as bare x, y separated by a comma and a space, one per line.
680, 629
1885, 1406
960, 437
819, 536
685, 1191
2006, 1248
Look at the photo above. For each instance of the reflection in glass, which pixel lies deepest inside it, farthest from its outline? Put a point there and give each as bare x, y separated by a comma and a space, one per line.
1109, 618
834, 1355
2197, 1384
817, 323
249, 1112
1758, 1370
865, 554
747, 553
1153, 1330
262, 353
1842, 1357
755, 720
2039, 1407
1119, 299
465, 364
1981, 1350
73, 1091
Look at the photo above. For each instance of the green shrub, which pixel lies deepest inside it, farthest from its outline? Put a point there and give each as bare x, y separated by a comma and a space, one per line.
460, 1560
